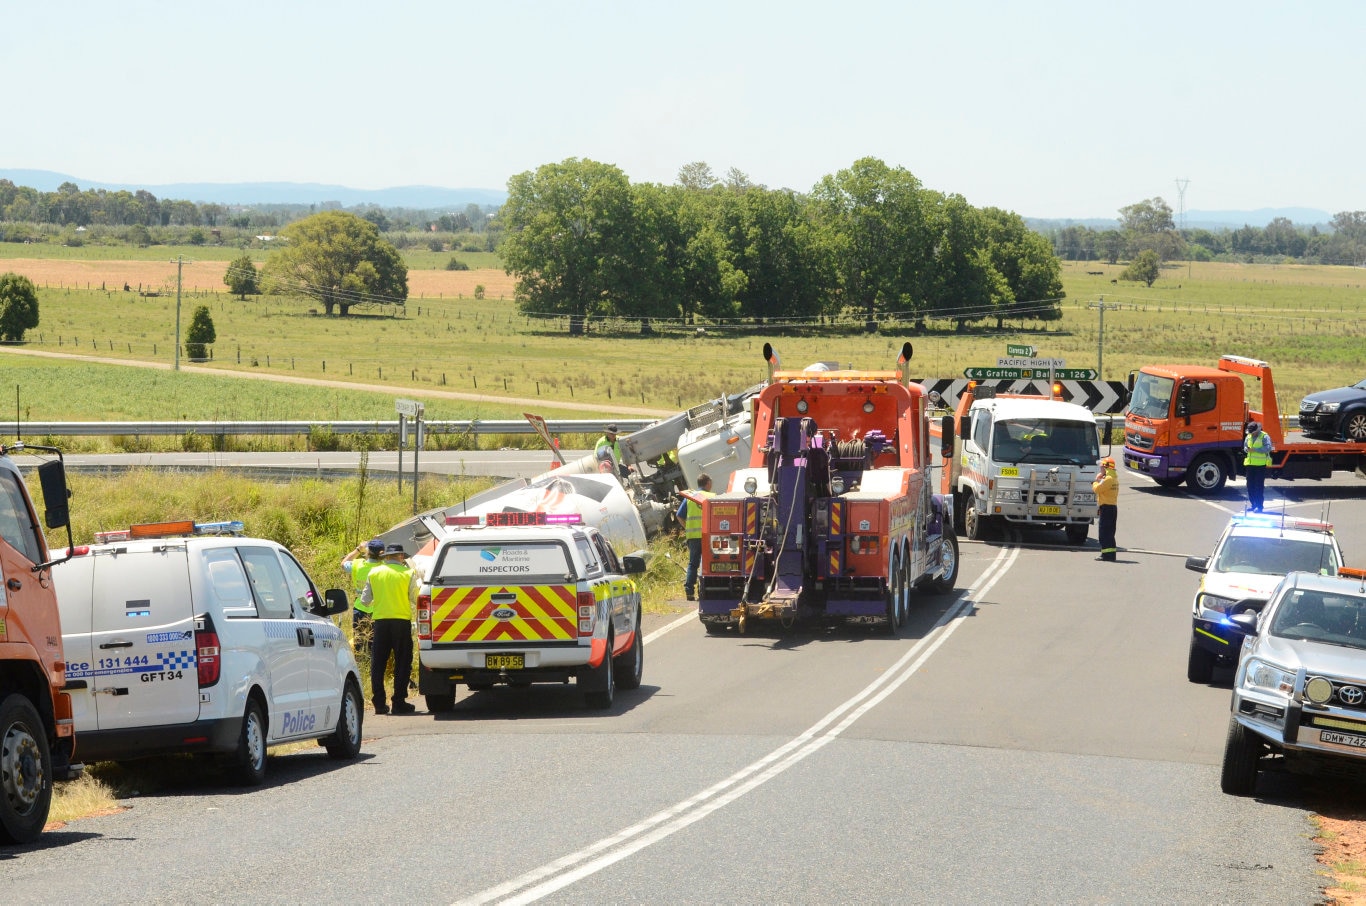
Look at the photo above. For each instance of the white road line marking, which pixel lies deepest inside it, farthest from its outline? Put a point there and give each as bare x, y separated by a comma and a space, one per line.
670, 627
556, 875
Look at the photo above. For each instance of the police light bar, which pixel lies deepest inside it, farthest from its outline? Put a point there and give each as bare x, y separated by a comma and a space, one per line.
170, 530
515, 519
1268, 520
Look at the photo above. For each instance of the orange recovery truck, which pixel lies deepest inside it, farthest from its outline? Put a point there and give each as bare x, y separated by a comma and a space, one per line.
37, 738
1187, 423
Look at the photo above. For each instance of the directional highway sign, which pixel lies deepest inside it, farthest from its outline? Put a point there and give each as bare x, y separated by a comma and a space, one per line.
991, 374
1074, 374
1035, 364
1012, 349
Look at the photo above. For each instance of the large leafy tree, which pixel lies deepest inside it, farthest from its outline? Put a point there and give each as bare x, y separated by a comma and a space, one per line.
1148, 225
339, 259
1026, 260
1145, 267
960, 282
882, 238
241, 277
784, 255
18, 306
200, 334
570, 237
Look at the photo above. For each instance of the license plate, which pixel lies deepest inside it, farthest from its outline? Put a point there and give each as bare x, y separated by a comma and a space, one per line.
504, 661
1049, 510
1343, 739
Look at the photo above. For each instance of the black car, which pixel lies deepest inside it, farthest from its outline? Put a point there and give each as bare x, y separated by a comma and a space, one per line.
1335, 413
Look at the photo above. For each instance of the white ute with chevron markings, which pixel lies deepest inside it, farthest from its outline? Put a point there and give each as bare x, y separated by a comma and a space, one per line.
521, 598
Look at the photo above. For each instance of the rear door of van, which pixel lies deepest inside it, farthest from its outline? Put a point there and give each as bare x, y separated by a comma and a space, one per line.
142, 659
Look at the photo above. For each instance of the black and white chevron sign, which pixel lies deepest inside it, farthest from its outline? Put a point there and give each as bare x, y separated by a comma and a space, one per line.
1098, 396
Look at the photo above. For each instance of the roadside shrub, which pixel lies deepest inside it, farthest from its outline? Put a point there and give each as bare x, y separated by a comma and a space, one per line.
455, 264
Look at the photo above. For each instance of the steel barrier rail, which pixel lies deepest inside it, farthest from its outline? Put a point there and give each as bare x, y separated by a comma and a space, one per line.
478, 426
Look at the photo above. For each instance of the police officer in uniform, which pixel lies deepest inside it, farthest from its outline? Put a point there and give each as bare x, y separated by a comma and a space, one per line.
358, 568
391, 588
1256, 457
1106, 487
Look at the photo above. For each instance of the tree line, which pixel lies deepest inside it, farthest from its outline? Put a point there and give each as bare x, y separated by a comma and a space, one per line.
869, 242
1148, 226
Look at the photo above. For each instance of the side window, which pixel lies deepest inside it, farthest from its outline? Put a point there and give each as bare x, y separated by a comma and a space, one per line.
228, 581
609, 556
981, 428
16, 523
589, 555
267, 582
301, 591
1204, 397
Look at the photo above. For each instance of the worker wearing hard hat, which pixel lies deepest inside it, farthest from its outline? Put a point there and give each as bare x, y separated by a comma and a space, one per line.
1106, 487
1256, 457
608, 445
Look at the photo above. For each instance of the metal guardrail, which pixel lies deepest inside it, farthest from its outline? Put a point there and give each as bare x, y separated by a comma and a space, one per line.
208, 429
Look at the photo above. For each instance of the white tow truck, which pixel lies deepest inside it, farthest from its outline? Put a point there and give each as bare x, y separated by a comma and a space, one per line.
1026, 460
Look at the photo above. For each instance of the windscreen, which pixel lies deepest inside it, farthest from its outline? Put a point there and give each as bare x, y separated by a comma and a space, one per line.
1152, 396
1045, 441
1335, 619
1275, 556
515, 562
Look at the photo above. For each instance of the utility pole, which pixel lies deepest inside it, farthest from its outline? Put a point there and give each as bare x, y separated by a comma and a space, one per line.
1101, 305
179, 266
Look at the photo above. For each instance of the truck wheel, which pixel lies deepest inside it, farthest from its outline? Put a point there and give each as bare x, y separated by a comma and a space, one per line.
629, 667
1242, 752
247, 766
602, 684
344, 744
1169, 482
1076, 533
1207, 475
1199, 664
25, 771
1354, 425
948, 562
903, 591
440, 702
974, 528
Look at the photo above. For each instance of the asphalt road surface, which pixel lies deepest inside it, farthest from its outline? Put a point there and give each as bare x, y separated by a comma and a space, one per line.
1031, 738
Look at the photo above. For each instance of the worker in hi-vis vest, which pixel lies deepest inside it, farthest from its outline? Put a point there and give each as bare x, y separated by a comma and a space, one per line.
1256, 457
690, 514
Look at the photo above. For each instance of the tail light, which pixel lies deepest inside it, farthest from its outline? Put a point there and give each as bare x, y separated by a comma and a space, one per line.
210, 657
588, 605
424, 617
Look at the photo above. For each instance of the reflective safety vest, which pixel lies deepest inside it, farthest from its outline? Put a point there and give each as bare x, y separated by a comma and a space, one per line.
360, 570
1258, 447
613, 445
692, 524
390, 591
1106, 487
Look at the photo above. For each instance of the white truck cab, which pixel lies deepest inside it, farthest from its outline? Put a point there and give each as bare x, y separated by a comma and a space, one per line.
192, 638
1026, 460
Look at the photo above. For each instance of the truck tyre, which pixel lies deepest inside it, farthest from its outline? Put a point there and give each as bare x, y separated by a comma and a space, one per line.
631, 665
1077, 532
948, 561
344, 743
1199, 664
1207, 475
1169, 482
959, 512
440, 702
247, 765
1354, 425
602, 684
892, 613
1242, 752
25, 771
974, 528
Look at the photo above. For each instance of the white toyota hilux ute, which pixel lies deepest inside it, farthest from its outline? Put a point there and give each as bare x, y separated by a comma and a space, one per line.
191, 638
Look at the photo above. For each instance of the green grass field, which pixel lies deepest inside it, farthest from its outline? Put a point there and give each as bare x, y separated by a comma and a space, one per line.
418, 257
1307, 321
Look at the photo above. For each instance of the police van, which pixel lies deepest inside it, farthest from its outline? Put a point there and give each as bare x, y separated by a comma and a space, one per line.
521, 598
192, 638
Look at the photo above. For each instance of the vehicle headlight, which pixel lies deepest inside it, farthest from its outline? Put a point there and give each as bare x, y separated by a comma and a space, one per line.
1214, 602
1264, 675
1329, 407
1008, 495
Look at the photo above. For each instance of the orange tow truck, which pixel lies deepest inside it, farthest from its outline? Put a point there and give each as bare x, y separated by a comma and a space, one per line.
1187, 422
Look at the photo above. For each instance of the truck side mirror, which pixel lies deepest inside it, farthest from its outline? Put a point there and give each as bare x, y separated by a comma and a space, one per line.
52, 479
946, 436
965, 428
1183, 401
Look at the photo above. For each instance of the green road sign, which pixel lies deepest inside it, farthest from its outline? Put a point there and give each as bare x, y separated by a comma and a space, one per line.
1075, 374
1014, 349
991, 374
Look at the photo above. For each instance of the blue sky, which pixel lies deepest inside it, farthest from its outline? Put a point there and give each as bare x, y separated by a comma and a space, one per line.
1049, 109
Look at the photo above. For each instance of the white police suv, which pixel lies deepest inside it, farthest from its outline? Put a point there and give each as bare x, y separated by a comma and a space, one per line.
1252, 555
1300, 689
191, 638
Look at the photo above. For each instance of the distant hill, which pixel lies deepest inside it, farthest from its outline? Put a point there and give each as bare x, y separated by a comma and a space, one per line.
251, 193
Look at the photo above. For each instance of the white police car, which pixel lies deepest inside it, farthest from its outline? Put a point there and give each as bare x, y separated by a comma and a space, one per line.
190, 638
1252, 555
1300, 690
